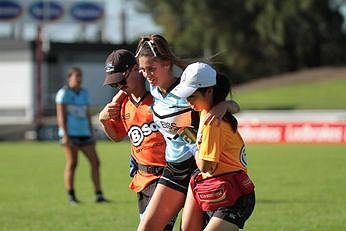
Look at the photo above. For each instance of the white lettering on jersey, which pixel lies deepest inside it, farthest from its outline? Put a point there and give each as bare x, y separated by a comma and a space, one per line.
138, 133
170, 123
78, 111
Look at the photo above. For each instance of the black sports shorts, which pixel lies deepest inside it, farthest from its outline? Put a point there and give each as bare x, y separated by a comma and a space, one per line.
143, 200
81, 140
238, 213
145, 195
177, 175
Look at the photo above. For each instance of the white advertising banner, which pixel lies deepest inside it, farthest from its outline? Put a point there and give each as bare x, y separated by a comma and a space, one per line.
13, 11
294, 132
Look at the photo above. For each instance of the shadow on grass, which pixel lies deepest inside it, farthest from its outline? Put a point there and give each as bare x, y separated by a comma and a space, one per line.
273, 107
268, 201
283, 201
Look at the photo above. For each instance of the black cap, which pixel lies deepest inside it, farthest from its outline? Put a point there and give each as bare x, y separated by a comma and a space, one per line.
116, 64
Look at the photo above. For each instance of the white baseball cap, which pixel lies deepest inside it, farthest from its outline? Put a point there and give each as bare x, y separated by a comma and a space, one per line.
196, 75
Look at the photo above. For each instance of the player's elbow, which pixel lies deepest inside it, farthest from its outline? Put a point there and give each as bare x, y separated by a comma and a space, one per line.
206, 166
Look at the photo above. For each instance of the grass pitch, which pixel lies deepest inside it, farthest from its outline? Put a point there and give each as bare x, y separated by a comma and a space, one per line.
298, 187
328, 94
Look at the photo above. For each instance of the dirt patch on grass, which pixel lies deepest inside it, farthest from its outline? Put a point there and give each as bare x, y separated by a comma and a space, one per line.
302, 76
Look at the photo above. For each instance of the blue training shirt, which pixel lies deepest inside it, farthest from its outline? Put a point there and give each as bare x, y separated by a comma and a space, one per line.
77, 121
170, 113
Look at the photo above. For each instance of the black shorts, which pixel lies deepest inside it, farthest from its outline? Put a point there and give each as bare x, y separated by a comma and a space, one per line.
145, 195
177, 175
143, 200
238, 213
81, 140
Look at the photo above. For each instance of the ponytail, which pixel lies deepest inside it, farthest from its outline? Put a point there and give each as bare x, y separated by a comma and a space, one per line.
220, 92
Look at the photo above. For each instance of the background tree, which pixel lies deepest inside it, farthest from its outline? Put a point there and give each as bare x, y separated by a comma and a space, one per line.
250, 39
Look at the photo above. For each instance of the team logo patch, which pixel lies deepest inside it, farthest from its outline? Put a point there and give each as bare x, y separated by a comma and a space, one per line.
243, 160
215, 195
138, 133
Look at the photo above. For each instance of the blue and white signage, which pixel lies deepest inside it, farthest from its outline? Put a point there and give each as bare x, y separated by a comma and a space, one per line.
46, 11
86, 12
52, 11
10, 10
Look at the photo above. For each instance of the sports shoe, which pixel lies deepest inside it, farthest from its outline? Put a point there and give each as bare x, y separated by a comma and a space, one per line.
72, 200
100, 198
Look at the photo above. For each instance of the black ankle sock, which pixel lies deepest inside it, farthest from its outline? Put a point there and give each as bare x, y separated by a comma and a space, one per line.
71, 192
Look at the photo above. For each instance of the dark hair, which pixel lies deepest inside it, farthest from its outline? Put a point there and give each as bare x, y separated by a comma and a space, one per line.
220, 92
157, 46
74, 70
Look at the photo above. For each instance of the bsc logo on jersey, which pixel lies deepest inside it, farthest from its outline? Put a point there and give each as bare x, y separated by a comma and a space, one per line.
172, 127
138, 133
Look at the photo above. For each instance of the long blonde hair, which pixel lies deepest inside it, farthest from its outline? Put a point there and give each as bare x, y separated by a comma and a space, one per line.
157, 46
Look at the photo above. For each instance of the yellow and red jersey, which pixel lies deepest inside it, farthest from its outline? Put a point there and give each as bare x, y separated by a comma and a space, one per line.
218, 143
148, 145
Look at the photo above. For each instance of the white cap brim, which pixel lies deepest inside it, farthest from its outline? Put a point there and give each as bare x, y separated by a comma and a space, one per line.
183, 91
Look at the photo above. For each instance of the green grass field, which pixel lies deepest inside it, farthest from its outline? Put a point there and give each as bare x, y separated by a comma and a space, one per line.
328, 94
298, 187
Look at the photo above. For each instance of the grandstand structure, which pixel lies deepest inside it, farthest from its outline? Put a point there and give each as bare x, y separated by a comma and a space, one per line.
28, 87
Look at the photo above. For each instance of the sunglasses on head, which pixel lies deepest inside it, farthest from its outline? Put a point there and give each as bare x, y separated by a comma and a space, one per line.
122, 82
151, 45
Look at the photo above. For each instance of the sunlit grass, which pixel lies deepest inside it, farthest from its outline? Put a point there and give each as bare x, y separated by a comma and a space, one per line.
329, 94
298, 187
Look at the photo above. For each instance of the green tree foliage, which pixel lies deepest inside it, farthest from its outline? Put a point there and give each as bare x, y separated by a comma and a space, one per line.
253, 38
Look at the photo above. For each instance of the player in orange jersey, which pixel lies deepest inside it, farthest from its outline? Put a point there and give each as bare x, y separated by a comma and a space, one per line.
131, 116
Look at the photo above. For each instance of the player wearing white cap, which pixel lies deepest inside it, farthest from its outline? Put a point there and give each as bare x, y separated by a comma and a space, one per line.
220, 188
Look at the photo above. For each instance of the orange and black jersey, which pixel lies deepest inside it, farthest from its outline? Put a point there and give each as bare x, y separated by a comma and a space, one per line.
148, 145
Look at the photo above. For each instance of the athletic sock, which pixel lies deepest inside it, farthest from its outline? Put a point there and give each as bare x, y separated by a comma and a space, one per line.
71, 196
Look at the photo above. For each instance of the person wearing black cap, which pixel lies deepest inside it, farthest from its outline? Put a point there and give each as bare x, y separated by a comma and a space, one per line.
130, 115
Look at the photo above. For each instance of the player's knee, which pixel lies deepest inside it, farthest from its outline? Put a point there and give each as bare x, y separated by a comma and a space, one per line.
71, 165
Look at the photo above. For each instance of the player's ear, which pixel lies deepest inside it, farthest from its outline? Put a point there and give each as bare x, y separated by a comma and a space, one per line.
210, 91
135, 67
166, 64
